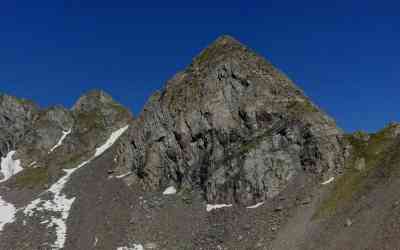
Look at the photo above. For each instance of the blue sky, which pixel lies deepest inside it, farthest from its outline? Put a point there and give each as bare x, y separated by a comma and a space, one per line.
344, 54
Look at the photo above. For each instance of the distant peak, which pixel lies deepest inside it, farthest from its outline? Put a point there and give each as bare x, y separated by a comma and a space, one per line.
223, 47
100, 106
97, 93
92, 99
225, 40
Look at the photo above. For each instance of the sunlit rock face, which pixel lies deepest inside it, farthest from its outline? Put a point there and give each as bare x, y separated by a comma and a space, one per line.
232, 126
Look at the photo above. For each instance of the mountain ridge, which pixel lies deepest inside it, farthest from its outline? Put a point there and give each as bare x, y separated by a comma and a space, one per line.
246, 157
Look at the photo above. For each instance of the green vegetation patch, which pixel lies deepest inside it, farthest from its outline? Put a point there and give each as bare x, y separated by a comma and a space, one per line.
73, 160
24, 102
185, 193
299, 108
90, 120
204, 56
32, 177
97, 119
378, 151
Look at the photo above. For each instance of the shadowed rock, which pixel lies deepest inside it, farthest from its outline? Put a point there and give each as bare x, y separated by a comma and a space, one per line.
16, 118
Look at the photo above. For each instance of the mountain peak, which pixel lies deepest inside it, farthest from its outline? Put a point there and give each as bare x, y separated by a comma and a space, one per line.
95, 94
223, 47
226, 39
98, 109
92, 99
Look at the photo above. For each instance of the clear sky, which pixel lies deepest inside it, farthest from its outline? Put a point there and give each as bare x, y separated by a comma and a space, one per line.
344, 54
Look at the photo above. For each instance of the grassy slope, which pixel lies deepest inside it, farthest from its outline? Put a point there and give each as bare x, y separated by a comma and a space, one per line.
380, 152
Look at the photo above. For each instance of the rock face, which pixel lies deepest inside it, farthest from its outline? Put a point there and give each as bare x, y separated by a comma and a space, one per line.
232, 126
98, 109
46, 129
230, 144
44, 148
38, 134
16, 116
96, 115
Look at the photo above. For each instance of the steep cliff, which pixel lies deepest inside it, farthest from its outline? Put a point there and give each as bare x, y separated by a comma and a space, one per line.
234, 127
16, 118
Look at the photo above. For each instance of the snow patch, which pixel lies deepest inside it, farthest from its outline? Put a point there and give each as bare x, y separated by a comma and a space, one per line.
123, 175
217, 206
135, 247
7, 213
256, 205
113, 138
328, 181
59, 203
96, 240
170, 191
9, 166
59, 143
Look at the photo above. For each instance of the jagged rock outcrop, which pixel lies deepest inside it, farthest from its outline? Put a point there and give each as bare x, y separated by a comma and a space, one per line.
51, 145
96, 114
46, 130
98, 109
232, 126
56, 138
16, 117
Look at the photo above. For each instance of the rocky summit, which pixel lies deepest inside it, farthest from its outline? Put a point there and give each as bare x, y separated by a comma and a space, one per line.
231, 154
232, 127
